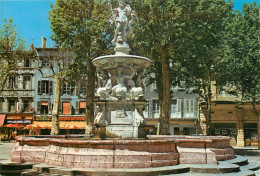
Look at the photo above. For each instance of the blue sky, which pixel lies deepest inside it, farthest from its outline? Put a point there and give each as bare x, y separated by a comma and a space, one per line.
30, 17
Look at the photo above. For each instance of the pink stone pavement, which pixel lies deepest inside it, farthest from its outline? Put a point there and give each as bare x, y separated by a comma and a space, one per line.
158, 151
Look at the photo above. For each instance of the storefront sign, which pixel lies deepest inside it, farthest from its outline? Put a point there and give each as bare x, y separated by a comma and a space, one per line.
19, 121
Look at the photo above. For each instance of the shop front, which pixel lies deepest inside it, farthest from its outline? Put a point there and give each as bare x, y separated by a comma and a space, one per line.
15, 123
250, 134
67, 124
226, 129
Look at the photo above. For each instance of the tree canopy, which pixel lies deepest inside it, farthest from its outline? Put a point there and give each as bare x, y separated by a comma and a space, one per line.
11, 49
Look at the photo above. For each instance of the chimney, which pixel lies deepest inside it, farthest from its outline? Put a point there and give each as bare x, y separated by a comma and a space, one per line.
31, 48
43, 42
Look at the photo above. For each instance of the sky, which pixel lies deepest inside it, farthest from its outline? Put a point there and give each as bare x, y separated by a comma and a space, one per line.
30, 17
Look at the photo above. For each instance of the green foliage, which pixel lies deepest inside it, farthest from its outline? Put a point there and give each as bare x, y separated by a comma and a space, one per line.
83, 26
241, 52
11, 49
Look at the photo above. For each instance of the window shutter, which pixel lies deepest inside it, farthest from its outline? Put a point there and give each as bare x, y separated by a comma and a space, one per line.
40, 63
62, 89
39, 87
49, 108
50, 87
16, 81
38, 107
60, 106
72, 111
77, 107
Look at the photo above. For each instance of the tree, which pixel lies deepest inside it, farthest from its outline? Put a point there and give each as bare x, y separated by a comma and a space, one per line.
182, 38
82, 25
241, 55
60, 64
11, 49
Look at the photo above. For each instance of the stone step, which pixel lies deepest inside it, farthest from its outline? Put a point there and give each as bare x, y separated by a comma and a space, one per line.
253, 166
114, 171
13, 168
239, 160
210, 168
240, 173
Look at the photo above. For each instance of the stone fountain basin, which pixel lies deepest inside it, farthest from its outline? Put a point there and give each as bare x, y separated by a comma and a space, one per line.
127, 61
166, 151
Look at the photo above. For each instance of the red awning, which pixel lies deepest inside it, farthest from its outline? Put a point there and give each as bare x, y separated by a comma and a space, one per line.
2, 119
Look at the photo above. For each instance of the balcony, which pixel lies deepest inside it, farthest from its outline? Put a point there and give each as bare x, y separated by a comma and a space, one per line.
17, 93
225, 97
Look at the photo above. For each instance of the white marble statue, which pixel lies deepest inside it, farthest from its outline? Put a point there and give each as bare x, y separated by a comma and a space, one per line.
104, 92
120, 89
122, 17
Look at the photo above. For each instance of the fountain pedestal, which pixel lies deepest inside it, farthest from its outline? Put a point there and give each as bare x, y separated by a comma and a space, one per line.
121, 118
119, 99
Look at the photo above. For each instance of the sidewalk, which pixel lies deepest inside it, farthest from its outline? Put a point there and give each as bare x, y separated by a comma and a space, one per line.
252, 153
5, 149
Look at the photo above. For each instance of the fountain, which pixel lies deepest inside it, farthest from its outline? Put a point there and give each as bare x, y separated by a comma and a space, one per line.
120, 101
119, 110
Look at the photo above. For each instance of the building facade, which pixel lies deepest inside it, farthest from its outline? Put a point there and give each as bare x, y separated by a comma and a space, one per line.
17, 97
231, 117
73, 99
184, 111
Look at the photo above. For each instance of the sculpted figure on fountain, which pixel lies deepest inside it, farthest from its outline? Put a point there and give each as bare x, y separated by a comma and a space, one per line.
122, 18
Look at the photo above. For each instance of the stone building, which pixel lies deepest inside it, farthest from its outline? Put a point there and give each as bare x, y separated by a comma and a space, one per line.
184, 111
73, 103
231, 117
17, 97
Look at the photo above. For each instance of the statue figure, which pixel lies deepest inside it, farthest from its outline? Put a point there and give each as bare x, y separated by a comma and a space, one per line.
121, 88
121, 21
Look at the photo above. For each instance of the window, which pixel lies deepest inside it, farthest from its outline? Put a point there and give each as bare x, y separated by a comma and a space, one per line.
66, 89
44, 108
26, 106
82, 108
66, 108
223, 91
176, 108
154, 86
12, 82
156, 108
189, 108
27, 82
82, 89
12, 105
27, 62
45, 63
45, 87
146, 111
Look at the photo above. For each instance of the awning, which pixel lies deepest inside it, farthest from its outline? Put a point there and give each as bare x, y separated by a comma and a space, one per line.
80, 124
19, 116
45, 103
2, 119
63, 125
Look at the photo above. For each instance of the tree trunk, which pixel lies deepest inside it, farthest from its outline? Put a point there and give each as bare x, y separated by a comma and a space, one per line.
90, 97
56, 106
165, 102
258, 129
209, 125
